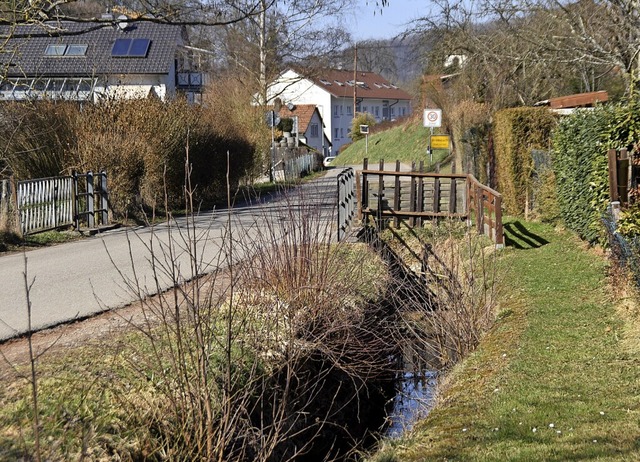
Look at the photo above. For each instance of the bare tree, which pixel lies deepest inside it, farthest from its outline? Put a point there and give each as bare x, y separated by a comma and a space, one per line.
527, 51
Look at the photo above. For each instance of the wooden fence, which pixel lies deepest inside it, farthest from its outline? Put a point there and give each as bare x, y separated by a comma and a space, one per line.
49, 203
396, 196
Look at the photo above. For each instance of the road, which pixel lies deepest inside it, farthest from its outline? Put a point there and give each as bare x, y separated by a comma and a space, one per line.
78, 279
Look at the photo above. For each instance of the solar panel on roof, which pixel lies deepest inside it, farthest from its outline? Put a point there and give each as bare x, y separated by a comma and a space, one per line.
139, 47
121, 47
136, 48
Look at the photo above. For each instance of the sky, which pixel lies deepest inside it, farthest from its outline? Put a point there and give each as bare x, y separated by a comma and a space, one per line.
369, 23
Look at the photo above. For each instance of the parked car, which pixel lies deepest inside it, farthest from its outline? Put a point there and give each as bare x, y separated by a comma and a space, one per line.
327, 161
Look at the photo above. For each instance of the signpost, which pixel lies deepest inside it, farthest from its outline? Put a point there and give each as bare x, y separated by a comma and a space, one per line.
364, 129
439, 141
433, 119
273, 119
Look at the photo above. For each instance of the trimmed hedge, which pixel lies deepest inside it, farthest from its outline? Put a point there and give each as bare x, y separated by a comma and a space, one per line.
581, 142
517, 132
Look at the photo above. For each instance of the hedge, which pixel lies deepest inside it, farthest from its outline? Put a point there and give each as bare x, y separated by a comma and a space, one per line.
580, 143
517, 132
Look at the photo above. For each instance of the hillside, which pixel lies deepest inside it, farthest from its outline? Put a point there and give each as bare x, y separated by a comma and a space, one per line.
407, 143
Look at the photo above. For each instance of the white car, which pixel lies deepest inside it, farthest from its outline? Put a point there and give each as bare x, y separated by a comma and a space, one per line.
327, 161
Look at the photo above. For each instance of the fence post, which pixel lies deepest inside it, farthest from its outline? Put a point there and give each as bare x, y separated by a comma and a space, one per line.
452, 196
4, 206
104, 198
498, 223
91, 222
479, 209
396, 196
613, 174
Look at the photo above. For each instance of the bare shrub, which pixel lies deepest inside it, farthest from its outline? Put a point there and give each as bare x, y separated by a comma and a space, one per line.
139, 142
458, 271
264, 358
36, 138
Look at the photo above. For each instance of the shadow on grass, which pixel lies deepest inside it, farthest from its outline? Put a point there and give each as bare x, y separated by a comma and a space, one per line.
516, 235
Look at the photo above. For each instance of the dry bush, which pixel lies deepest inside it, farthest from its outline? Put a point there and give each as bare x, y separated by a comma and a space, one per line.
228, 102
37, 139
140, 143
267, 357
455, 271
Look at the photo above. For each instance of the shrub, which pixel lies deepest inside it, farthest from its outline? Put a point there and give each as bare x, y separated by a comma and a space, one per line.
516, 133
361, 118
141, 143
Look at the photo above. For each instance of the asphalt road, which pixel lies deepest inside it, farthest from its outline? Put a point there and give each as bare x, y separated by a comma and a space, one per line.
78, 279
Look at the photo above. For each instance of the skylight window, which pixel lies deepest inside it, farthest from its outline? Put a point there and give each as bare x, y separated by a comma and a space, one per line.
135, 48
55, 50
325, 82
76, 50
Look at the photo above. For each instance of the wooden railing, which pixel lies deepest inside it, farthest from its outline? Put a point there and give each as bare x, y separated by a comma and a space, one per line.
413, 197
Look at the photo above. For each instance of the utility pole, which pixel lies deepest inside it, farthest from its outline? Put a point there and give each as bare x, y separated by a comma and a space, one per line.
355, 77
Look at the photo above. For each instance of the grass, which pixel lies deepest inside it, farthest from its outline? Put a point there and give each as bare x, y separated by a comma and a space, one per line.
554, 380
407, 143
10, 242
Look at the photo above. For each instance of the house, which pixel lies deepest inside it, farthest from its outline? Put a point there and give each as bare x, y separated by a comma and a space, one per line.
308, 126
337, 93
96, 60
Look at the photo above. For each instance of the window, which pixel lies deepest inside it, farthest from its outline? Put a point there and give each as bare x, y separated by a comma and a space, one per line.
342, 133
134, 48
314, 131
55, 50
66, 50
335, 110
341, 109
393, 111
377, 111
348, 110
365, 108
337, 133
76, 50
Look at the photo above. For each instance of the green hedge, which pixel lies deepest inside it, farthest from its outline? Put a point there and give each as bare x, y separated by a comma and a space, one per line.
580, 144
517, 132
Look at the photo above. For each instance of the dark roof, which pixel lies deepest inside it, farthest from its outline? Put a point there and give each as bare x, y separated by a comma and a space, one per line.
370, 85
25, 51
577, 100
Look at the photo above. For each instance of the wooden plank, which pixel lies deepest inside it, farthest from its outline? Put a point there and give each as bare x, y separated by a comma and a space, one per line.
436, 191
613, 174
396, 195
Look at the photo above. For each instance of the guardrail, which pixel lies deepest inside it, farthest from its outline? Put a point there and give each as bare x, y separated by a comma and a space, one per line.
397, 196
347, 201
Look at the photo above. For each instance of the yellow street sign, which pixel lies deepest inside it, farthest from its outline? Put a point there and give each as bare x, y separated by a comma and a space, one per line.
439, 141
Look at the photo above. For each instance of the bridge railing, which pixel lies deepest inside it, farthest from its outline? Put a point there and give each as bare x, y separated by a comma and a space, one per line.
399, 196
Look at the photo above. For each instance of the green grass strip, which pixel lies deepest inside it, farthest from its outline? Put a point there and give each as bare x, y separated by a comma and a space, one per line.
553, 380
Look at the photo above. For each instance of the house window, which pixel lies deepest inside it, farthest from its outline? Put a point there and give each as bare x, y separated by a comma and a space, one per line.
337, 133
342, 133
377, 110
393, 111
365, 108
349, 110
341, 109
134, 48
314, 131
335, 110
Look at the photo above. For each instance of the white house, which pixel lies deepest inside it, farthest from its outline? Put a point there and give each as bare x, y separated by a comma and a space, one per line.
309, 126
96, 60
334, 92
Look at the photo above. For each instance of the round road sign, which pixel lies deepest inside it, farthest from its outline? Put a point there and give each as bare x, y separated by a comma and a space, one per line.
432, 117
